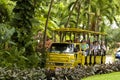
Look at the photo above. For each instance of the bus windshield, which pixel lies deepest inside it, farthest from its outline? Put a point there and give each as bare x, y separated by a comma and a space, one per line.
62, 48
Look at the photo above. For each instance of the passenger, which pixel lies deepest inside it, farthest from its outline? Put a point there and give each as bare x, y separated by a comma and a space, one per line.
91, 48
96, 48
103, 48
85, 47
48, 43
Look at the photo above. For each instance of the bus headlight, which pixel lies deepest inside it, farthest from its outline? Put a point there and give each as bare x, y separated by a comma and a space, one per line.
50, 63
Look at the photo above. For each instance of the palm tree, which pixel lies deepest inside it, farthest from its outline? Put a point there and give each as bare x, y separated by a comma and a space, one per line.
44, 37
66, 25
101, 10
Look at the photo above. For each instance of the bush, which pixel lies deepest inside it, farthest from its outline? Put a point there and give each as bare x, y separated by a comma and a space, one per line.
59, 74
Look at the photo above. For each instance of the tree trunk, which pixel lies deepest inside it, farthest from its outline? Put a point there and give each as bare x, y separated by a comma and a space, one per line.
44, 37
46, 25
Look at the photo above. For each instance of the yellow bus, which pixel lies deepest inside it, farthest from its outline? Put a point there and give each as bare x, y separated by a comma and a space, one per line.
66, 49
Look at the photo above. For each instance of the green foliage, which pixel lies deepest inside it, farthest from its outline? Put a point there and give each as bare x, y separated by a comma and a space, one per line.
5, 35
61, 9
29, 16
4, 15
77, 73
111, 76
6, 7
21, 49
113, 37
22, 74
14, 57
24, 13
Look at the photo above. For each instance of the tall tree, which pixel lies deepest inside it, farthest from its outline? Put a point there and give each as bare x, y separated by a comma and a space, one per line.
45, 30
24, 13
103, 10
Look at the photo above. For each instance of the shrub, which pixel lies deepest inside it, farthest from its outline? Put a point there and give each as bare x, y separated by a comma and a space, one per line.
59, 74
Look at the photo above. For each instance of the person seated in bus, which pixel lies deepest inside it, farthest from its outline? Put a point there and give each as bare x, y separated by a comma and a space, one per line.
48, 43
103, 48
91, 48
96, 48
84, 47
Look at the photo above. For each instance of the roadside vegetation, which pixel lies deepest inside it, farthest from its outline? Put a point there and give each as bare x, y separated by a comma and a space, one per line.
77, 73
21, 19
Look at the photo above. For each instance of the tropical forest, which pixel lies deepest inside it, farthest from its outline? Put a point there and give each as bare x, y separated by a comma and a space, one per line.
31, 29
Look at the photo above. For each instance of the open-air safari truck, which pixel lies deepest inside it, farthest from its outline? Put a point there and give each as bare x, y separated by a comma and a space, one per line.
65, 51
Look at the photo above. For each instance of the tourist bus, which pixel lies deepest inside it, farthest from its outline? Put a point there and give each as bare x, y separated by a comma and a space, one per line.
66, 49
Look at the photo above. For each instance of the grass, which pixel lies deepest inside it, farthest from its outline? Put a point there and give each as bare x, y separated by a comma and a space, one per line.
110, 76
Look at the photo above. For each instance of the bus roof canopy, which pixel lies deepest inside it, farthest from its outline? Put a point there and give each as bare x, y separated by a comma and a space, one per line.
78, 30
